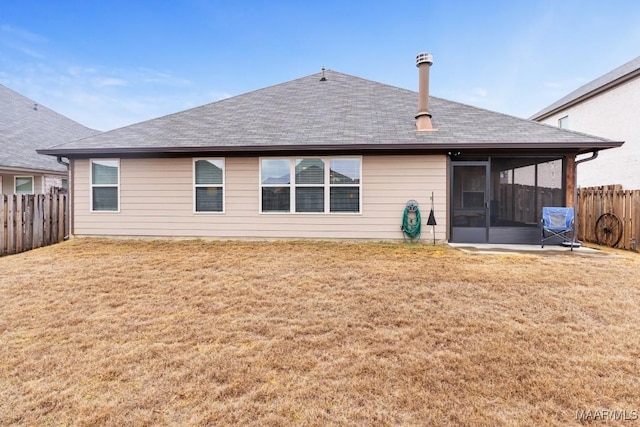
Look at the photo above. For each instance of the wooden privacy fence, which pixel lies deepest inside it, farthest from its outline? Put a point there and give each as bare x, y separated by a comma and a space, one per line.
596, 203
31, 221
523, 203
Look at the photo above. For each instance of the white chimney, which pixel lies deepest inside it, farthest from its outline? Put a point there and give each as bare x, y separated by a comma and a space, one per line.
423, 118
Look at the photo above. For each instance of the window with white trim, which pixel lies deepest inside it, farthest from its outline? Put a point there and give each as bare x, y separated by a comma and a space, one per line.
275, 182
310, 185
23, 185
208, 176
105, 185
563, 122
309, 182
345, 185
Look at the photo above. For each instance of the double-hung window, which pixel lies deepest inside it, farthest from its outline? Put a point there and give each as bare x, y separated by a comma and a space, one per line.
275, 180
315, 184
209, 185
105, 185
23, 185
345, 185
309, 182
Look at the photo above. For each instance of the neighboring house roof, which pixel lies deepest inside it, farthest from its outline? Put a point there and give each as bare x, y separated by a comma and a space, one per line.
620, 75
342, 113
26, 126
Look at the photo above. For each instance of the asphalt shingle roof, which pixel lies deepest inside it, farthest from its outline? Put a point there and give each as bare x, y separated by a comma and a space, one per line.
343, 111
593, 86
26, 126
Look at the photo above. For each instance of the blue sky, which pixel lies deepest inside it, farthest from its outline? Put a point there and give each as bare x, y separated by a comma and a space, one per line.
111, 63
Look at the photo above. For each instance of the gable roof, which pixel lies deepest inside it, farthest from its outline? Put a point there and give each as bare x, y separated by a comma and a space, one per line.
342, 113
26, 126
613, 78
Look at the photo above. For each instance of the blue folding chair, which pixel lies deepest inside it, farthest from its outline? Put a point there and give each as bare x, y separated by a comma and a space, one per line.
558, 223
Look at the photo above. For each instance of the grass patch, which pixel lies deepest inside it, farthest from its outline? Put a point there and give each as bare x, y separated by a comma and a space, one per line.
117, 332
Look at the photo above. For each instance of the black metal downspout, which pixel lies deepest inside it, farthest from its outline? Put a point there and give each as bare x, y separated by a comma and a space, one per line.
59, 160
594, 155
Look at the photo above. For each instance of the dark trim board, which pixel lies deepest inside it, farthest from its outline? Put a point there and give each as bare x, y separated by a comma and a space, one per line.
502, 235
515, 235
485, 149
468, 235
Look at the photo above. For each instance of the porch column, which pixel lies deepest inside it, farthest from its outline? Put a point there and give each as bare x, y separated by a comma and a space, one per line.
570, 192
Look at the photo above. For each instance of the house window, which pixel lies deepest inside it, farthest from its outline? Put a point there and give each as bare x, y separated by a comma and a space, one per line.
24, 185
319, 185
309, 181
209, 185
105, 185
275, 180
563, 122
345, 185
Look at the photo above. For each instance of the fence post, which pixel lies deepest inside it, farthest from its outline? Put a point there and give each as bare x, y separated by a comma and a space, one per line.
54, 218
46, 207
3, 224
626, 218
636, 219
19, 223
37, 221
27, 228
62, 220
11, 221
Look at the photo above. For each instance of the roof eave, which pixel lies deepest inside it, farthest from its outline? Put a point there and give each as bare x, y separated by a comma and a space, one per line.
33, 170
543, 114
578, 147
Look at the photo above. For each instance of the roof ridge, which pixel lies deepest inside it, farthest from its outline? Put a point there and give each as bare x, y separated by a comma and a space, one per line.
344, 112
250, 92
202, 106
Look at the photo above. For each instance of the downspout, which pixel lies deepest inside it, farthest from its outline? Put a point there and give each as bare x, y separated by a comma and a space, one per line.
59, 160
69, 192
594, 155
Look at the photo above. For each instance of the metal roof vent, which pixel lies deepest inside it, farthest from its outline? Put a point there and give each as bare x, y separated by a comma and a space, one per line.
424, 57
423, 118
323, 78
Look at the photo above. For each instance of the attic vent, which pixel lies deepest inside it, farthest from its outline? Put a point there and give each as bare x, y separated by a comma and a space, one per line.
323, 78
35, 107
424, 58
423, 118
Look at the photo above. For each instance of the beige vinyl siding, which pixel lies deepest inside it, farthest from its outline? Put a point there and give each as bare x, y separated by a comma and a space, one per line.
156, 199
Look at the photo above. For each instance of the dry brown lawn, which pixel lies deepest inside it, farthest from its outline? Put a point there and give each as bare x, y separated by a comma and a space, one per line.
102, 332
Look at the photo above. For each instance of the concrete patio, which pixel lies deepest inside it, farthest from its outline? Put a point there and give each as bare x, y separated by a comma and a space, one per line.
501, 249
